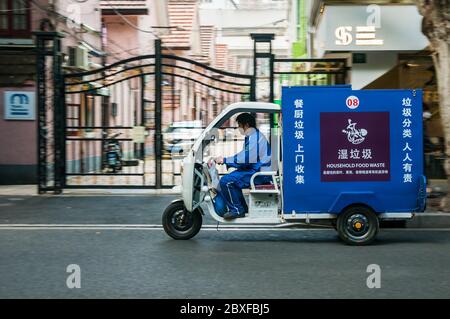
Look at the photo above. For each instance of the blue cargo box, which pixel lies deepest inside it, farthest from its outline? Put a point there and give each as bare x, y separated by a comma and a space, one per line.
343, 147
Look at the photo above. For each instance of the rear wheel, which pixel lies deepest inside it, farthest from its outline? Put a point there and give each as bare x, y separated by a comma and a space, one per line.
179, 223
357, 225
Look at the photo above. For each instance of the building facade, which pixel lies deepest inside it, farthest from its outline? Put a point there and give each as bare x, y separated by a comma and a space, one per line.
80, 26
95, 33
234, 21
385, 49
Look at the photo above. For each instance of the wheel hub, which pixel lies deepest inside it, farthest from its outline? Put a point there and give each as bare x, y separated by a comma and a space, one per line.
181, 220
357, 225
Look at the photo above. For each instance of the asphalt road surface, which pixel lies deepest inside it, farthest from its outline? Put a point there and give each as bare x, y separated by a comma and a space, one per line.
122, 252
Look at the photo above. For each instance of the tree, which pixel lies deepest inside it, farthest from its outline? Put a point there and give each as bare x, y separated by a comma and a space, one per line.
436, 27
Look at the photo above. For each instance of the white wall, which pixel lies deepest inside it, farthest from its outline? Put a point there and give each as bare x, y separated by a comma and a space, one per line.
400, 28
377, 64
245, 43
230, 18
86, 13
216, 4
234, 28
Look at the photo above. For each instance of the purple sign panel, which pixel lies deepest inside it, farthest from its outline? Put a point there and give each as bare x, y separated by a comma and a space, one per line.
354, 146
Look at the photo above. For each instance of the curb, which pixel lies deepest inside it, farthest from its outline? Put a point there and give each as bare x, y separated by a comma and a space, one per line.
429, 220
31, 190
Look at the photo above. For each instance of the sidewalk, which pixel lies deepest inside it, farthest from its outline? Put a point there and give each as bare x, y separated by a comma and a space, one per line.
31, 190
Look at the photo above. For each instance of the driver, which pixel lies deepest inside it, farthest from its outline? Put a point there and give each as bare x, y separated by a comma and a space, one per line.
255, 156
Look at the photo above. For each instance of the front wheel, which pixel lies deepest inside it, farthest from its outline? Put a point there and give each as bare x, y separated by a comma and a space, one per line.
179, 223
357, 225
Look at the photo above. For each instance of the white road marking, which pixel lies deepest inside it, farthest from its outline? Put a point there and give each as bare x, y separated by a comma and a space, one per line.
419, 229
134, 227
159, 227
80, 225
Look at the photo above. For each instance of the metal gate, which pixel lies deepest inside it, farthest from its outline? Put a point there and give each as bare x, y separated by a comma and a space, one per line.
145, 100
137, 100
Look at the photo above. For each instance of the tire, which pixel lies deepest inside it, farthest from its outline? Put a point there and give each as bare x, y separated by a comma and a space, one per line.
357, 225
175, 226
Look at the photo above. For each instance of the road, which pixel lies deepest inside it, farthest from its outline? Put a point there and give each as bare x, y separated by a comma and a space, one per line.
122, 251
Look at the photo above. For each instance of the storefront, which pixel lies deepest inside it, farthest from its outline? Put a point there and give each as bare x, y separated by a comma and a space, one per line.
386, 49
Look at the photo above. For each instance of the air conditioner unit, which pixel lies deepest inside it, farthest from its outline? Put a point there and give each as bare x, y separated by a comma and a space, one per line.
78, 57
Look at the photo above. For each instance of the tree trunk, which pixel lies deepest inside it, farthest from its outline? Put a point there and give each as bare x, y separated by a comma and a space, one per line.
442, 66
436, 27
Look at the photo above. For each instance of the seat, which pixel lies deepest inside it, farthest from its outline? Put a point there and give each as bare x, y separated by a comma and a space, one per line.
264, 198
265, 187
271, 188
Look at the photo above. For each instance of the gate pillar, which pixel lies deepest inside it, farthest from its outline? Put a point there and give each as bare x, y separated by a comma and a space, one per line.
50, 127
262, 50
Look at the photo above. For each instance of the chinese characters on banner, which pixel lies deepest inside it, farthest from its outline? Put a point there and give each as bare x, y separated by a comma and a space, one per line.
407, 133
299, 132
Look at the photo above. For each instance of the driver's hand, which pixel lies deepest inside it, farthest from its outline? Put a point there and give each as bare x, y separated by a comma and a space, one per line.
219, 160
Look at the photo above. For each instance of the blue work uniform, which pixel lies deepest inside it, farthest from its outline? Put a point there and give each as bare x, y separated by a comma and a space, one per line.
255, 156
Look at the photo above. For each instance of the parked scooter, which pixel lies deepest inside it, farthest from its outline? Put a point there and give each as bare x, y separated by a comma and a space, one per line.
112, 151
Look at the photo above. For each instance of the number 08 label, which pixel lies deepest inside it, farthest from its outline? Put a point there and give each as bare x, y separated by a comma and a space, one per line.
352, 102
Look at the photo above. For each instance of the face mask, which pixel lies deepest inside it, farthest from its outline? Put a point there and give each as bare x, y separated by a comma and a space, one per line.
241, 130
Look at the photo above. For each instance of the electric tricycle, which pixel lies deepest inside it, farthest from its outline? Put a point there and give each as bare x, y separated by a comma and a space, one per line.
343, 158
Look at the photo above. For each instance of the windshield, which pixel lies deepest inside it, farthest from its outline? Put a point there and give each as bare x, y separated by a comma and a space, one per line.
226, 140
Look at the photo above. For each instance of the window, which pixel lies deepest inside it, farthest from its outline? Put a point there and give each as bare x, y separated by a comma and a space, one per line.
15, 18
89, 112
73, 118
